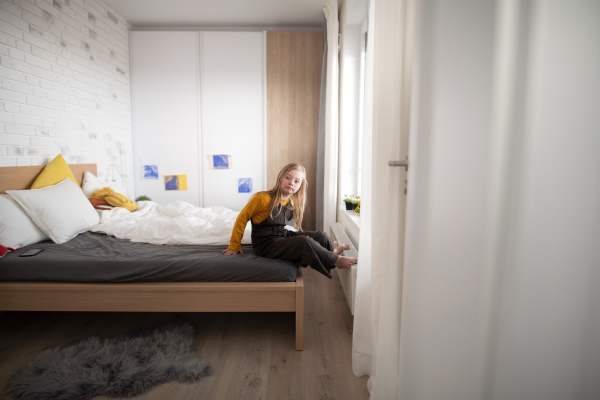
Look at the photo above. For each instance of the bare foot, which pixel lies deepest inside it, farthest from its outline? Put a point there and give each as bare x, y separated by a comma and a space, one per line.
345, 262
338, 250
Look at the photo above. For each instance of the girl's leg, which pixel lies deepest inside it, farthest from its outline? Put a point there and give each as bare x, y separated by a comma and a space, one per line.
319, 237
323, 240
307, 249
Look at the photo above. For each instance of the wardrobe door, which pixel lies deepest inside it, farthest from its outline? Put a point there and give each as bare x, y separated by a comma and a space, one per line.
232, 102
294, 66
165, 113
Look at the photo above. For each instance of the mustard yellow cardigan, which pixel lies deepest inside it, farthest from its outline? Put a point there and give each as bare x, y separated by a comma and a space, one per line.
257, 210
114, 199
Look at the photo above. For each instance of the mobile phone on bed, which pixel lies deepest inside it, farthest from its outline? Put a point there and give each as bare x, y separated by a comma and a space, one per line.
31, 252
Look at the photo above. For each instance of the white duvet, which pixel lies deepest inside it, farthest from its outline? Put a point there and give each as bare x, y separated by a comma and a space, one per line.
175, 223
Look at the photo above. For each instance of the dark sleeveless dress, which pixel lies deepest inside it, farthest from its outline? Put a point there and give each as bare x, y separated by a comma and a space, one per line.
271, 239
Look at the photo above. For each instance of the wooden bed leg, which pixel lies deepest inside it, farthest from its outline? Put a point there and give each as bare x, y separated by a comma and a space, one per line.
299, 311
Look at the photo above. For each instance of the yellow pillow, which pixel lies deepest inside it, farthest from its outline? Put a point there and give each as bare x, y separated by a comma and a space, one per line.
57, 171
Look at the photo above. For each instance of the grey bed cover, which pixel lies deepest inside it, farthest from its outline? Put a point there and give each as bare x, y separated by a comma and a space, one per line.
94, 258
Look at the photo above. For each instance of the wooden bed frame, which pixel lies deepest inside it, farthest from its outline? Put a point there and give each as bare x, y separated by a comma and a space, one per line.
145, 297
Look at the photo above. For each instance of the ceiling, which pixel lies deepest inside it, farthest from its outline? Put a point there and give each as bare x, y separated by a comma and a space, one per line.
221, 13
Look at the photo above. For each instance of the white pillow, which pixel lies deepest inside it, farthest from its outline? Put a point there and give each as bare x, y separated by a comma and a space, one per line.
16, 228
91, 183
61, 211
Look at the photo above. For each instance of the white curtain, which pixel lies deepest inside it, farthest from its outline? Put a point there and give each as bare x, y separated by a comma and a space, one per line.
330, 139
376, 341
321, 143
500, 284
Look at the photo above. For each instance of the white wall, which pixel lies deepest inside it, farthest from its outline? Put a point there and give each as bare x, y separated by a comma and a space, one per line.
501, 277
64, 68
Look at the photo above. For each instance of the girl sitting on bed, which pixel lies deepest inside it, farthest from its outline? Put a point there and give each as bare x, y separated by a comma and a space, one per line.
269, 212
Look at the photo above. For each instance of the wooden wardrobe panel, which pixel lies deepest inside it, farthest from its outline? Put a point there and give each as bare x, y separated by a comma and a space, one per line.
294, 63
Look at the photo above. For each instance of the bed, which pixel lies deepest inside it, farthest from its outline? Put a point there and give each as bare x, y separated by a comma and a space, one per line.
155, 293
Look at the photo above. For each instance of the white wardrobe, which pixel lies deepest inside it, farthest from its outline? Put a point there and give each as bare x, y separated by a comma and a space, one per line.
194, 95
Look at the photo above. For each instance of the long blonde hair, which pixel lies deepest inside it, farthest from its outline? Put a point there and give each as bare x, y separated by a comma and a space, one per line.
298, 199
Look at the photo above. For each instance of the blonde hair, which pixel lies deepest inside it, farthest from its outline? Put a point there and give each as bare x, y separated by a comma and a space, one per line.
298, 198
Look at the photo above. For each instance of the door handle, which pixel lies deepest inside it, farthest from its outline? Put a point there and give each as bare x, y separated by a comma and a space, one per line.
398, 164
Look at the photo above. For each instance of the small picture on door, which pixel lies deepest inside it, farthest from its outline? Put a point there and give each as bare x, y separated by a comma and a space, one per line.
244, 185
175, 182
219, 161
150, 172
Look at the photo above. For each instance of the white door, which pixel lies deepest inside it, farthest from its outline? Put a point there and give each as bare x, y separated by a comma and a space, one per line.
197, 95
165, 113
232, 102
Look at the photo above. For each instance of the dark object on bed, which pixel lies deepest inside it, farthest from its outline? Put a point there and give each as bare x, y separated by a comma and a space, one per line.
30, 252
124, 366
94, 258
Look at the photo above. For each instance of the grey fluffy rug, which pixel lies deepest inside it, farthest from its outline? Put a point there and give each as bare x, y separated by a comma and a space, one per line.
124, 365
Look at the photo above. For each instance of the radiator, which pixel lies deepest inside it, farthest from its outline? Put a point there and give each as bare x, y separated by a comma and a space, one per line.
347, 276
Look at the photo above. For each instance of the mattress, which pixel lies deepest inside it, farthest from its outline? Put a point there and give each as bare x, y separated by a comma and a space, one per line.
94, 258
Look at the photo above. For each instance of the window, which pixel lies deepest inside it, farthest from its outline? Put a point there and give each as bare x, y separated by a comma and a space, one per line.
361, 101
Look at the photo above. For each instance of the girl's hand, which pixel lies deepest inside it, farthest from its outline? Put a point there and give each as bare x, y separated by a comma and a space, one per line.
228, 252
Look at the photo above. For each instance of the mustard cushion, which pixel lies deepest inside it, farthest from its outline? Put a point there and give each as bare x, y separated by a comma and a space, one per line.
57, 171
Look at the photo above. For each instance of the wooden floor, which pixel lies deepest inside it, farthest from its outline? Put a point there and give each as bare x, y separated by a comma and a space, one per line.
252, 354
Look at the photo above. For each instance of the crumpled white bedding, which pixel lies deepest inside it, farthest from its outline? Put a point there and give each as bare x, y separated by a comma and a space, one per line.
175, 223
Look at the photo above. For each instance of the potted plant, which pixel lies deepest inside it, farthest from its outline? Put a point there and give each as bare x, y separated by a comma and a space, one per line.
355, 202
348, 203
351, 202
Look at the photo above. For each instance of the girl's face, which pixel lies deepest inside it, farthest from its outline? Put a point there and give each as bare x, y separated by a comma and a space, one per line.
291, 182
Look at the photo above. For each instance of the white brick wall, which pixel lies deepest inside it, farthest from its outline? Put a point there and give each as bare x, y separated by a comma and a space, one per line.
64, 85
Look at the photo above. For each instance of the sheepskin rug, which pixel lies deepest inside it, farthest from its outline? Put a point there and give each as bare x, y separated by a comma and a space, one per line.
124, 365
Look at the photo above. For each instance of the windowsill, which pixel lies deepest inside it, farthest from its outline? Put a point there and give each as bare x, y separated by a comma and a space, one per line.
351, 224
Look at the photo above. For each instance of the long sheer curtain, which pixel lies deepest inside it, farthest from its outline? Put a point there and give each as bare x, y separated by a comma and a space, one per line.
320, 183
500, 284
329, 139
376, 341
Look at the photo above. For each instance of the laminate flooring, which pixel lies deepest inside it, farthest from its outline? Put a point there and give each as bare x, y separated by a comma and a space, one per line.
252, 354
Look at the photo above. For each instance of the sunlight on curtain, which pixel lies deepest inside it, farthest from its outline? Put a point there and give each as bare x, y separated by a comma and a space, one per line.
363, 334
321, 143
330, 169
